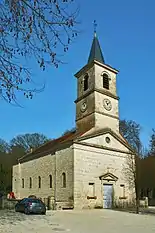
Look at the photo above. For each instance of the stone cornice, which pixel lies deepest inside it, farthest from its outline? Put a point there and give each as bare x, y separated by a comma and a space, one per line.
88, 114
108, 130
110, 68
101, 147
84, 95
110, 175
107, 114
102, 91
32, 156
88, 66
84, 69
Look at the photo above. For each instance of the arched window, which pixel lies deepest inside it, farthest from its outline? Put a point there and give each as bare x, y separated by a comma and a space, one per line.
23, 183
39, 182
85, 82
30, 182
63, 180
50, 177
105, 81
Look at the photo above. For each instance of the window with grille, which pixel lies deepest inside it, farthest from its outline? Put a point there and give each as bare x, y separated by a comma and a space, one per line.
105, 81
85, 82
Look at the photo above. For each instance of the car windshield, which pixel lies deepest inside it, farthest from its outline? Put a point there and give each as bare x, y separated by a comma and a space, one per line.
34, 200
23, 200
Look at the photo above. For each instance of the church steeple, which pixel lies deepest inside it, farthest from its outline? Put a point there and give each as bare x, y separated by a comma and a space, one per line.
97, 100
95, 52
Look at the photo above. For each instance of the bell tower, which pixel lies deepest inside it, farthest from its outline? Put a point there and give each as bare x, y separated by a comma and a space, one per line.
97, 101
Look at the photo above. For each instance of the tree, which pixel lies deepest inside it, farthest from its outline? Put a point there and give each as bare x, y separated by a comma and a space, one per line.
132, 175
4, 146
29, 141
39, 29
131, 132
5, 171
7, 160
152, 144
148, 177
4, 165
17, 151
69, 131
3, 176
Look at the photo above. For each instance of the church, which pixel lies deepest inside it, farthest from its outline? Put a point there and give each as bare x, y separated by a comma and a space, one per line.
85, 167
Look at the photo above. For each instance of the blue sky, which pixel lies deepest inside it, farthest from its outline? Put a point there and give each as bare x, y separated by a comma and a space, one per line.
126, 31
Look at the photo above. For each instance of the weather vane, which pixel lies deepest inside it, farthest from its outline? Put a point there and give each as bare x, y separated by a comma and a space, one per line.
95, 26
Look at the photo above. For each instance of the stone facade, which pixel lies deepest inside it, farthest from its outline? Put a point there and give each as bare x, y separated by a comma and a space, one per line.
91, 163
76, 170
95, 114
85, 161
52, 164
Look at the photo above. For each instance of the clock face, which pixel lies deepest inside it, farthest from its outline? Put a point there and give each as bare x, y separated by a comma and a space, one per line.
83, 107
107, 104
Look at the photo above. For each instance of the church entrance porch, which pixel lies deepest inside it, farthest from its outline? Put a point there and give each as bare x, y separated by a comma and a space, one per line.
107, 196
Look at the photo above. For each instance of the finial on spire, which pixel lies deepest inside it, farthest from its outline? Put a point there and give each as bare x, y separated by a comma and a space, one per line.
95, 26
95, 52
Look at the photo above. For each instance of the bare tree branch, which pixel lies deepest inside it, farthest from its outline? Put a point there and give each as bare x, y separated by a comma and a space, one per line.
39, 29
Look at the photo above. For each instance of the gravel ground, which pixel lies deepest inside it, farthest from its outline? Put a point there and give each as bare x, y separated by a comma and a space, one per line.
85, 221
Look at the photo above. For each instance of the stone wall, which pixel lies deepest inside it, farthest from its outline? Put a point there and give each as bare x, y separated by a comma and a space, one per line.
7, 203
52, 164
89, 164
99, 70
64, 163
95, 114
91, 81
82, 164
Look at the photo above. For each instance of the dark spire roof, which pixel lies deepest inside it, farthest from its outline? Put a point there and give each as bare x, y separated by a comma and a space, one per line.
95, 52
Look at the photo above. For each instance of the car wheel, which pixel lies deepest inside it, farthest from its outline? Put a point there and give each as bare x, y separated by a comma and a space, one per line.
44, 213
26, 211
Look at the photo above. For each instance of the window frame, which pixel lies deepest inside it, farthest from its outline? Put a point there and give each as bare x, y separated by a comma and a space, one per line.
91, 195
39, 182
30, 182
105, 82
23, 183
63, 180
92, 185
51, 181
122, 189
86, 82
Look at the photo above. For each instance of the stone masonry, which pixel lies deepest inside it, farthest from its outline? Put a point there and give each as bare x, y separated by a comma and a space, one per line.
88, 165
52, 164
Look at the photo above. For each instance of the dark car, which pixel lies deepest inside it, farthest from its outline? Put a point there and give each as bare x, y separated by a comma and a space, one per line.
31, 205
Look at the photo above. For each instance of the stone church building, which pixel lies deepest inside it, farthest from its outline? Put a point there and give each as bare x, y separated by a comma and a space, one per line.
85, 167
